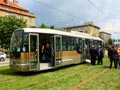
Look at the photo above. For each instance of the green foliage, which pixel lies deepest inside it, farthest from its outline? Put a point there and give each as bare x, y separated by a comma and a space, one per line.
110, 42
52, 27
45, 26
7, 25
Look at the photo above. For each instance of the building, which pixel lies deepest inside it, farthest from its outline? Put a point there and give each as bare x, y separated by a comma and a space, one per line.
105, 36
88, 28
13, 8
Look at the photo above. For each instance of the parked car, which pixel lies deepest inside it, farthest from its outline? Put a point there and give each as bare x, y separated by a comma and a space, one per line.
2, 56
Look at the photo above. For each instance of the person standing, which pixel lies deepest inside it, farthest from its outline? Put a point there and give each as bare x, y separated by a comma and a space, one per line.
93, 54
100, 55
112, 56
48, 54
118, 55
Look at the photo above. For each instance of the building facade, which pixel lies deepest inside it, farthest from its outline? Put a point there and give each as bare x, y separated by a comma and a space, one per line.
88, 28
105, 36
13, 8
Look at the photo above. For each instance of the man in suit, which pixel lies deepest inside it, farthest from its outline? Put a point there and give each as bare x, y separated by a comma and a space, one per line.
93, 54
112, 56
100, 55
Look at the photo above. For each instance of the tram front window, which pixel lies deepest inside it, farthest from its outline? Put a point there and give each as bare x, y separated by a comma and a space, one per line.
25, 42
16, 44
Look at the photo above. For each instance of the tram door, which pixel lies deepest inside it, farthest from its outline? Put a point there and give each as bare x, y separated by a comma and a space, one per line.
58, 50
87, 48
84, 50
33, 51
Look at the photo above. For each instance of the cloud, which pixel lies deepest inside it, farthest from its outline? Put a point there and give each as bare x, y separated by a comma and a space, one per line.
112, 26
78, 8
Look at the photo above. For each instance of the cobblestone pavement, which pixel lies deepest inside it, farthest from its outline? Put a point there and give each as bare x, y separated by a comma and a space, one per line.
4, 63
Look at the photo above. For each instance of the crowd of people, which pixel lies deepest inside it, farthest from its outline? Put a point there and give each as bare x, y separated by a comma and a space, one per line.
97, 54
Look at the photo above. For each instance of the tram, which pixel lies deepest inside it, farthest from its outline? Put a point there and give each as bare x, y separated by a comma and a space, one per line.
66, 47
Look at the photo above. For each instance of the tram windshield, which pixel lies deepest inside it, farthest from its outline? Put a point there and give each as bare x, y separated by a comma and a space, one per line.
16, 43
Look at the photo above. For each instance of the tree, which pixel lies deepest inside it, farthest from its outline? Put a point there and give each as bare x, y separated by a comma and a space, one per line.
7, 25
45, 26
52, 27
110, 42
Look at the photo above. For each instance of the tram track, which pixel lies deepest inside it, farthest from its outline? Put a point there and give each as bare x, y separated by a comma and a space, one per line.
10, 79
86, 80
17, 78
58, 78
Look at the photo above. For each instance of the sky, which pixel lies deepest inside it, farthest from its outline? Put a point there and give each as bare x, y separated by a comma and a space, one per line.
63, 13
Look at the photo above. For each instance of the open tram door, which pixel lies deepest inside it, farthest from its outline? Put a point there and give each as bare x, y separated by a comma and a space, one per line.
58, 50
84, 50
33, 51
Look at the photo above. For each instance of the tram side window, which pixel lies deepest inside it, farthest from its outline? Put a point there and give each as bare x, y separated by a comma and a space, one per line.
68, 43
72, 43
58, 43
100, 43
95, 42
80, 45
64, 43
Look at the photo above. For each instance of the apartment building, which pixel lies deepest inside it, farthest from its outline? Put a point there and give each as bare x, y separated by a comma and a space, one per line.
13, 8
87, 27
105, 36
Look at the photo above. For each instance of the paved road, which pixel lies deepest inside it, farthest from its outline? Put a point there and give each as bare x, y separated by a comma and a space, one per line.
4, 63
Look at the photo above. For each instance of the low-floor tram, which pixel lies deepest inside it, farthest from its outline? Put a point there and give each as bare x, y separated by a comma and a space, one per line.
67, 48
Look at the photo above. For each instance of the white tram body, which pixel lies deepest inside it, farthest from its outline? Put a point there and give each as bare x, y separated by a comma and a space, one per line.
67, 48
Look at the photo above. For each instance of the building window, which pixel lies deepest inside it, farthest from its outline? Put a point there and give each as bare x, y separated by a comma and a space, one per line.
8, 14
30, 19
19, 16
80, 30
86, 32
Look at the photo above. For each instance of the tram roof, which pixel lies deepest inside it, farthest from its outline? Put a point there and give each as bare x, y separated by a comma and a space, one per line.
59, 32
88, 35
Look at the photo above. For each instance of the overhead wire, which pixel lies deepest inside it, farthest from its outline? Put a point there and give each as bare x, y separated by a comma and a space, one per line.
61, 11
57, 10
96, 7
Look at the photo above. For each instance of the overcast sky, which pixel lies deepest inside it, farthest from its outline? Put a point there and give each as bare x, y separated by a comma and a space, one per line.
62, 13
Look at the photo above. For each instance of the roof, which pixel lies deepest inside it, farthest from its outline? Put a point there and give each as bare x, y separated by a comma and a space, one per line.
84, 25
88, 35
105, 32
59, 32
12, 4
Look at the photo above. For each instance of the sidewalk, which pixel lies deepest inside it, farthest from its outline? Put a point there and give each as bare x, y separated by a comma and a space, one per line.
5, 63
